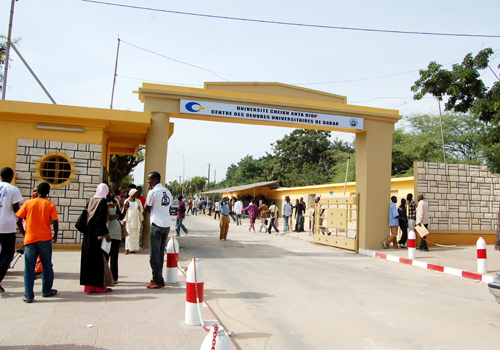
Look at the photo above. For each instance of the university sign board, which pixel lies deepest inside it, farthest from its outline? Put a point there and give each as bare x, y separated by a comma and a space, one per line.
269, 114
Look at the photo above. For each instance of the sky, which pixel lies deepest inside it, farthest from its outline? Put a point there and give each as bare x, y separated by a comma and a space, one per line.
72, 44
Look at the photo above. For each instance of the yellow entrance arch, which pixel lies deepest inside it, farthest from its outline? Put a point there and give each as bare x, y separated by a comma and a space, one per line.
276, 104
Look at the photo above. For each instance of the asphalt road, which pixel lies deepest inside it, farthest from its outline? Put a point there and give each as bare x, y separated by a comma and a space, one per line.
278, 292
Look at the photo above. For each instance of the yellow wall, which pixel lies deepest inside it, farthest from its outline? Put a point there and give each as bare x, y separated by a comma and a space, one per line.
399, 186
13, 130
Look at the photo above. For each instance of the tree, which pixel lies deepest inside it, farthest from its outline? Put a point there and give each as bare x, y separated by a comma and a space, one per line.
467, 93
421, 141
175, 188
120, 166
302, 158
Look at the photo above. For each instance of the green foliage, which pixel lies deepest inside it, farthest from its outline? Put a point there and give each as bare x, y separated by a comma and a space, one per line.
304, 157
467, 93
120, 166
194, 186
422, 142
175, 188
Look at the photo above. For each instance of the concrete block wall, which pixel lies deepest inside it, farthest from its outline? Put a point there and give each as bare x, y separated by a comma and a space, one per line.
460, 197
71, 199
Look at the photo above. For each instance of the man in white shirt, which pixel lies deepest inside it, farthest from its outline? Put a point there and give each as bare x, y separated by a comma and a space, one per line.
286, 212
238, 206
10, 197
158, 203
422, 219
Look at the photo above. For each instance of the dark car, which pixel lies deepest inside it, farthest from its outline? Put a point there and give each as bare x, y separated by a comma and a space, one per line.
174, 208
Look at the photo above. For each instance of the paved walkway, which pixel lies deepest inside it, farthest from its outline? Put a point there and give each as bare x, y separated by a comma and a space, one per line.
133, 317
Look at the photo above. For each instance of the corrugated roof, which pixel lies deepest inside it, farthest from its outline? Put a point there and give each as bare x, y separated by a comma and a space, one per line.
270, 184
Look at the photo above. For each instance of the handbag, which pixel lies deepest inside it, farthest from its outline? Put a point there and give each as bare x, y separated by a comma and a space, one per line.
124, 231
81, 224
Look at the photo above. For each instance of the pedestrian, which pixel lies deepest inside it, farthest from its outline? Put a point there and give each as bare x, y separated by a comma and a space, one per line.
422, 219
158, 203
38, 240
209, 206
115, 233
224, 219
393, 224
299, 216
238, 206
231, 212
204, 203
286, 212
263, 212
10, 197
133, 217
274, 212
216, 210
181, 215
194, 209
316, 201
190, 206
403, 222
140, 197
93, 265
412, 212
38, 266
253, 212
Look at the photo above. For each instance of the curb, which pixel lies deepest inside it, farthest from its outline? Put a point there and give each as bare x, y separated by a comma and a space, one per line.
448, 270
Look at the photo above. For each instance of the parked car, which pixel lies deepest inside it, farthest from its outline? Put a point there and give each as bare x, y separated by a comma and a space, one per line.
174, 208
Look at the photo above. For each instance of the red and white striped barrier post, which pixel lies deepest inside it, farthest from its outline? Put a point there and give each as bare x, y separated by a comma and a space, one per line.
194, 293
412, 245
172, 259
481, 256
216, 339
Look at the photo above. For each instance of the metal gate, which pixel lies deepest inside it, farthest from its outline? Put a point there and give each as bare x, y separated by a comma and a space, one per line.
336, 222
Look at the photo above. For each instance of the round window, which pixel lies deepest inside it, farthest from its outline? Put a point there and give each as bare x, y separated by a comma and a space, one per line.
55, 168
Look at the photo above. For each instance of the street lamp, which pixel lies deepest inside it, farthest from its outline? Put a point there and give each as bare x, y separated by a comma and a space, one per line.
183, 167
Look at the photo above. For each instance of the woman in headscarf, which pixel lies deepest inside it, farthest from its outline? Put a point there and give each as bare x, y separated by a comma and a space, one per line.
93, 262
133, 217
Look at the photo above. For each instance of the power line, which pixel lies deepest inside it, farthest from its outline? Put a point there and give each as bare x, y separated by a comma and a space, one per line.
295, 24
172, 59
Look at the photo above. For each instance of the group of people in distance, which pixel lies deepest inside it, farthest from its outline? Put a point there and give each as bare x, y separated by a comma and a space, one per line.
407, 216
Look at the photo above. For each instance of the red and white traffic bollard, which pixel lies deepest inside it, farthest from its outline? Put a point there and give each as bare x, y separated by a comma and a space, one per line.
412, 245
216, 339
172, 260
481, 256
194, 293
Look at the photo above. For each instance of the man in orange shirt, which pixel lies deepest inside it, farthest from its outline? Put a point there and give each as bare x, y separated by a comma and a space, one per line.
38, 240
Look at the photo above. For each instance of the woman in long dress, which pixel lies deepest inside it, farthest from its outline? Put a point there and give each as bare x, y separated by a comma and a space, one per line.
133, 217
253, 212
93, 262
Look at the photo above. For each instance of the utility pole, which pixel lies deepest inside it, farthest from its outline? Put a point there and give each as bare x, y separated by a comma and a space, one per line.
441, 123
9, 37
114, 76
208, 182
